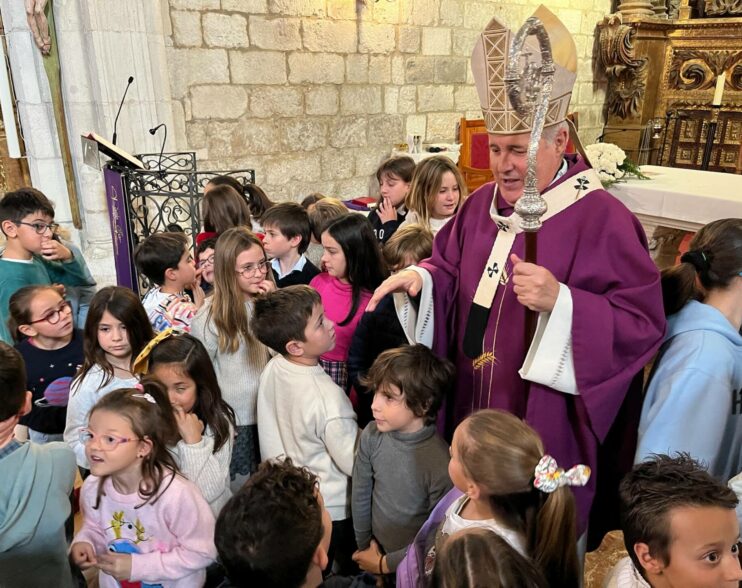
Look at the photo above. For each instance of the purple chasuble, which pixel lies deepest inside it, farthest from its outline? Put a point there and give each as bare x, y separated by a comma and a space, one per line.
598, 249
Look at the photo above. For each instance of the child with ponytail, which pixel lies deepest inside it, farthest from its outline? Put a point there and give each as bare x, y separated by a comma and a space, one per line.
505, 482
134, 525
693, 401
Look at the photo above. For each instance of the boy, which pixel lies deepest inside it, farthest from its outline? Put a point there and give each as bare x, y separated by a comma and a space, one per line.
205, 254
679, 526
287, 234
31, 255
165, 260
401, 469
302, 413
34, 494
381, 329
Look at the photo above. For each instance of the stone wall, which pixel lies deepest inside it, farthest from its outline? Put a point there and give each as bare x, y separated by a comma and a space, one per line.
312, 94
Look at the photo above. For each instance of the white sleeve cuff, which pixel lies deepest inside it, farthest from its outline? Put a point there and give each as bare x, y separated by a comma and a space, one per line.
417, 323
549, 360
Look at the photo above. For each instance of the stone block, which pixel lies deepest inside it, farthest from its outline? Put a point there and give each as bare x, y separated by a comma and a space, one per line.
298, 167
322, 100
398, 69
442, 126
186, 28
316, 68
329, 36
379, 69
465, 98
409, 39
257, 67
221, 139
391, 100
188, 67
407, 103
343, 10
348, 131
421, 12
337, 164
434, 98
225, 30
451, 13
416, 125
194, 4
376, 38
356, 69
281, 34
197, 134
303, 134
225, 102
436, 41
464, 41
268, 101
385, 12
246, 6
353, 187
385, 129
477, 15
451, 70
297, 7
420, 70
360, 99
254, 136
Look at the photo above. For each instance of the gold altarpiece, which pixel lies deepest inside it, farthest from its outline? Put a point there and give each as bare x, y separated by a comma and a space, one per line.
662, 76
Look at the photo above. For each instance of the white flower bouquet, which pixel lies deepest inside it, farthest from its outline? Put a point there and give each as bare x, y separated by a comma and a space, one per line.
611, 163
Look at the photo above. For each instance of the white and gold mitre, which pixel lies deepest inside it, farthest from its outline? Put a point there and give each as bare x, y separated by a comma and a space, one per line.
489, 63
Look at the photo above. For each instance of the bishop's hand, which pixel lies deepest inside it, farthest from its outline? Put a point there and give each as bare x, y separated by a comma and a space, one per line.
534, 285
405, 281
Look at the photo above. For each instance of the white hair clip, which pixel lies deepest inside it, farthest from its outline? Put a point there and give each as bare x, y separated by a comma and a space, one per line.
147, 396
548, 476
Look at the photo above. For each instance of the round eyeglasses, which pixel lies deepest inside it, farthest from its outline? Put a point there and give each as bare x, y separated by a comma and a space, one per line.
207, 261
54, 316
252, 269
40, 228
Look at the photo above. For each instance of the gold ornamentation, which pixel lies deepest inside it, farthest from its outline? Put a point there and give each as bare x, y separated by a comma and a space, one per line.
697, 69
723, 7
483, 360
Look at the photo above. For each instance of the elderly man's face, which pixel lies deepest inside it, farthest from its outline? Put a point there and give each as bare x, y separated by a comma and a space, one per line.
509, 162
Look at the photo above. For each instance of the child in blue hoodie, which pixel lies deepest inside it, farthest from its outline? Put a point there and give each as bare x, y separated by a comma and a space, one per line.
694, 398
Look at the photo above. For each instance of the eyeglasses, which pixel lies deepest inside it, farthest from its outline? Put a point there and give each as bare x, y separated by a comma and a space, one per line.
252, 269
40, 228
54, 316
208, 261
106, 442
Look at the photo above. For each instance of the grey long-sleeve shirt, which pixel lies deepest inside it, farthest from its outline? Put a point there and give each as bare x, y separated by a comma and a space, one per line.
397, 480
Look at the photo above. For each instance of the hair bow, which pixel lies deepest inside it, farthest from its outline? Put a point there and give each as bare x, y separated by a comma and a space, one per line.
141, 363
147, 396
548, 476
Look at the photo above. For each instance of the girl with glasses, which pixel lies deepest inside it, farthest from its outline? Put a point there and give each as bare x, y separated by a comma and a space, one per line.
134, 527
222, 324
42, 325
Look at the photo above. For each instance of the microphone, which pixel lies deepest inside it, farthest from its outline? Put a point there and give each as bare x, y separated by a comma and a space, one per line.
116, 120
152, 132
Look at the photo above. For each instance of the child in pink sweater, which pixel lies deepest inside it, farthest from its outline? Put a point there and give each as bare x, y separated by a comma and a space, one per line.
353, 269
142, 521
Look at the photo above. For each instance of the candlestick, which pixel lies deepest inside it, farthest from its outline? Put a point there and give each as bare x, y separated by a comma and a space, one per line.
719, 92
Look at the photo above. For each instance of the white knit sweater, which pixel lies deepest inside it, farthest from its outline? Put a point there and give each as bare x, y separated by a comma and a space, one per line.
238, 373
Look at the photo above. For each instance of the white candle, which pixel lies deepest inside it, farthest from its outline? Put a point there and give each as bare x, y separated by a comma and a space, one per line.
719, 92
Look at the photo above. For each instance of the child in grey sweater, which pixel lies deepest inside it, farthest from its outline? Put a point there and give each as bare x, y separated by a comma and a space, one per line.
401, 468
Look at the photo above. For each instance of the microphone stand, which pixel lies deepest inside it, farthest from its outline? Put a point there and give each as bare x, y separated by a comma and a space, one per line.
121, 105
152, 131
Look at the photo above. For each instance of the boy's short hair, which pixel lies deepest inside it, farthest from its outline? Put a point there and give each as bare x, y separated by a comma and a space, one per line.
657, 486
291, 219
12, 382
423, 378
267, 533
324, 212
282, 316
20, 203
158, 253
411, 241
209, 243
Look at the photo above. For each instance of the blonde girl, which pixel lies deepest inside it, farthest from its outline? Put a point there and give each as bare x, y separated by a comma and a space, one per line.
135, 528
116, 331
435, 194
222, 324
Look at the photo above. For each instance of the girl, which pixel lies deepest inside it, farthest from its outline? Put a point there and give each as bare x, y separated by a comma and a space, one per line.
353, 269
394, 176
435, 194
116, 331
504, 482
257, 200
222, 324
222, 208
205, 422
135, 528
694, 399
42, 323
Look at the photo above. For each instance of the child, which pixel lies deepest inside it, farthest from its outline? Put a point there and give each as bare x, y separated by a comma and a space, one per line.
504, 482
381, 328
164, 258
257, 200
394, 176
321, 214
205, 422
34, 494
31, 255
694, 398
41, 322
354, 269
435, 194
135, 528
222, 324
478, 557
223, 207
205, 255
301, 413
116, 331
679, 527
409, 385
287, 233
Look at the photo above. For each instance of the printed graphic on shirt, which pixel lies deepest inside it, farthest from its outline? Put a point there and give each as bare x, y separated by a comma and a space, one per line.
127, 537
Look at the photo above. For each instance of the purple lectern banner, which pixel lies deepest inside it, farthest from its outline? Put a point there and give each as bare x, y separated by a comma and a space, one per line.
119, 219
